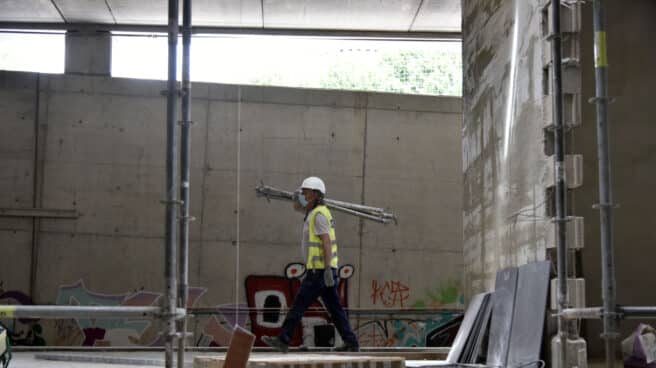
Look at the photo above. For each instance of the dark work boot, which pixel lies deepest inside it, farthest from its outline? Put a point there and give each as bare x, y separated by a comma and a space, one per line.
276, 343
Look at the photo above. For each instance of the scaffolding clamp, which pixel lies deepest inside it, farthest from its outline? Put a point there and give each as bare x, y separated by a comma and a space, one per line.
564, 219
165, 92
175, 201
608, 99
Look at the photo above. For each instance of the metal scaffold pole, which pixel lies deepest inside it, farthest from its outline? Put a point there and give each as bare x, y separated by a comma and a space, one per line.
185, 137
170, 271
609, 314
561, 188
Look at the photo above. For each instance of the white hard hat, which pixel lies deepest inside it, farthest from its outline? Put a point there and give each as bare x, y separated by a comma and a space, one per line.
314, 183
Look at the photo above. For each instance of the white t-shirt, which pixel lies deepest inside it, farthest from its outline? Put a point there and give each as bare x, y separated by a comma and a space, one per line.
321, 226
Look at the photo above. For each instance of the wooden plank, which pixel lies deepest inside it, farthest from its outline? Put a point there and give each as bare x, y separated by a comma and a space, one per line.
327, 360
241, 344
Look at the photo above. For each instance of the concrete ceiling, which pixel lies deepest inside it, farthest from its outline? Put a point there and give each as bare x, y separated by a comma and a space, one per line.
360, 15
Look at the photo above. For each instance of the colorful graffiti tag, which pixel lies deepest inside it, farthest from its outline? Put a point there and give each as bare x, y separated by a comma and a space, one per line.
267, 296
405, 332
389, 293
273, 294
21, 331
123, 332
447, 294
417, 331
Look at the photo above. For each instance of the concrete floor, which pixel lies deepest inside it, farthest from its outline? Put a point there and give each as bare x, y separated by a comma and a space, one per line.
133, 359
29, 360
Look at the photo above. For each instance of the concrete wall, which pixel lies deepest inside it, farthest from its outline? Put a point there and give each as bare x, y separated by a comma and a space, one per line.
102, 152
504, 164
506, 103
633, 158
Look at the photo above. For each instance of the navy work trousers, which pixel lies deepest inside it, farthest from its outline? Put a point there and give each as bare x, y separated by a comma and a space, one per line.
313, 287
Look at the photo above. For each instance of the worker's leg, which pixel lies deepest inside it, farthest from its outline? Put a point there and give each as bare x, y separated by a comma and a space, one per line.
309, 292
331, 300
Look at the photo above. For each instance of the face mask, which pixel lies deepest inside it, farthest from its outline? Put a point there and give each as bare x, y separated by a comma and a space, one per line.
302, 200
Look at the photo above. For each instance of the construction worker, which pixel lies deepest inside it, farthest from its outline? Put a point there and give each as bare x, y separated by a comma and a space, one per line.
319, 247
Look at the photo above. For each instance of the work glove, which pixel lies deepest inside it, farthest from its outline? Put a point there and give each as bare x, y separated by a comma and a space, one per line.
328, 277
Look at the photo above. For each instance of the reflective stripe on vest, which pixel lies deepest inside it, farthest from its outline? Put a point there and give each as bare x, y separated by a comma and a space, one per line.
315, 258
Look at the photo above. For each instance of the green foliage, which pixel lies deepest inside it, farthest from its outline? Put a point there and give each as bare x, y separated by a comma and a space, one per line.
446, 294
405, 72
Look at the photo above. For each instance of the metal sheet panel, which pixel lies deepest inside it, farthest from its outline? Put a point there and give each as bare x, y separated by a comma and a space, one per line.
87, 11
438, 15
502, 314
393, 15
530, 308
470, 353
465, 328
483, 326
29, 11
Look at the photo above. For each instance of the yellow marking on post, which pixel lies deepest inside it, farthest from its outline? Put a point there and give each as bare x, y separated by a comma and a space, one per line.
7, 311
601, 60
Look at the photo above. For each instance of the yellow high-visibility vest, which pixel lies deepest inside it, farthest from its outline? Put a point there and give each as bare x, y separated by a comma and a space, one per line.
315, 258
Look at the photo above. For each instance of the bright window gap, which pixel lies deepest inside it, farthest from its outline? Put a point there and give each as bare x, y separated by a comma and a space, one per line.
405, 67
32, 51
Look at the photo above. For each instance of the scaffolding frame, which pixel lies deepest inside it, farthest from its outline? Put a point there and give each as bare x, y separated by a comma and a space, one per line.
610, 312
174, 312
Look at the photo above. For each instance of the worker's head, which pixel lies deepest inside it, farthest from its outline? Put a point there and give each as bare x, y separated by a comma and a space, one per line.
313, 190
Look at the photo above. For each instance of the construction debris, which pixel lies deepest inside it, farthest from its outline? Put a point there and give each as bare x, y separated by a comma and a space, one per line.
516, 322
241, 344
639, 349
370, 213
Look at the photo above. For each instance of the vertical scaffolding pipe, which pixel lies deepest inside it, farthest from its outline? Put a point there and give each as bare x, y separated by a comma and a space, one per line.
36, 191
605, 195
185, 148
561, 189
171, 188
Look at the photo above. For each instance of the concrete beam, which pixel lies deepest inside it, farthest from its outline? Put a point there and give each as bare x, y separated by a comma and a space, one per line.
39, 212
88, 53
303, 32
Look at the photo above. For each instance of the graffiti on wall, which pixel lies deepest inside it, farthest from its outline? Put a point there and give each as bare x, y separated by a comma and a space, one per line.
274, 294
434, 330
408, 332
445, 295
389, 293
21, 331
121, 332
218, 329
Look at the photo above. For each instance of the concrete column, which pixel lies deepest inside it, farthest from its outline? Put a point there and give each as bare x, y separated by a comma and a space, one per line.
88, 52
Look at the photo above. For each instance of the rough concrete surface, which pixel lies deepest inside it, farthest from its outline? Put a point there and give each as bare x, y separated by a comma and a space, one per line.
504, 146
504, 220
101, 151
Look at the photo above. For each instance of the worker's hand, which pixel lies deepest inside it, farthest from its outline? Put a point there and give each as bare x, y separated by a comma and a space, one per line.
328, 277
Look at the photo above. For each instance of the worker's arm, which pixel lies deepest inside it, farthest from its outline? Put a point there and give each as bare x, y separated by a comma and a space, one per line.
328, 278
327, 249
